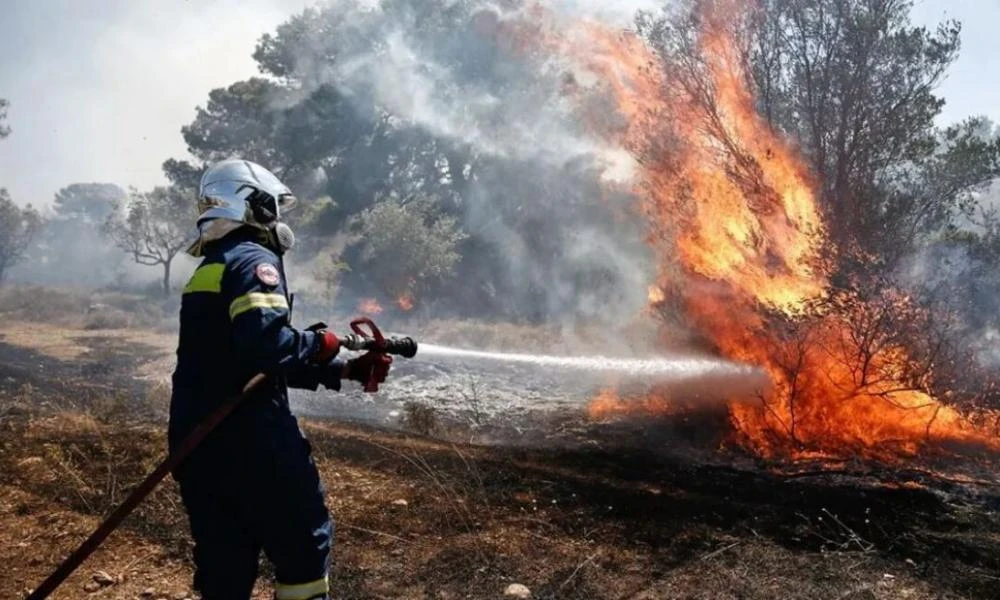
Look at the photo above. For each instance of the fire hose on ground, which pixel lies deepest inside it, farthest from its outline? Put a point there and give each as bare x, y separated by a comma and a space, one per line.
359, 340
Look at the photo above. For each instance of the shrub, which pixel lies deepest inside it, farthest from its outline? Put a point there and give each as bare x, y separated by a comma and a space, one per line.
408, 246
420, 418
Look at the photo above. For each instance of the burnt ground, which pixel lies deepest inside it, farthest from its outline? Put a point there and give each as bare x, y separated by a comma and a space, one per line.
612, 511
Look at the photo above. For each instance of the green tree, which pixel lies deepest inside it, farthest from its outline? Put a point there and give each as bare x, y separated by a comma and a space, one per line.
89, 203
431, 98
240, 120
153, 227
17, 228
182, 174
408, 248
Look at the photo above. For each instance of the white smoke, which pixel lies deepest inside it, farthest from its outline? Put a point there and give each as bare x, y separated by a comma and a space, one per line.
521, 123
470, 89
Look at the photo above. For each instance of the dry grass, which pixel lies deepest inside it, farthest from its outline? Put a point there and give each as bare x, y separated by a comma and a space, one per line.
85, 309
476, 519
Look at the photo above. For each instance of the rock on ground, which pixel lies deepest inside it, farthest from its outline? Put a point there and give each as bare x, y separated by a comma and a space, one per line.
516, 590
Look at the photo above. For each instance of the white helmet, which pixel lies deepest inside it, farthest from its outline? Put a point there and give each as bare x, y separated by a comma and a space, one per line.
237, 192
240, 190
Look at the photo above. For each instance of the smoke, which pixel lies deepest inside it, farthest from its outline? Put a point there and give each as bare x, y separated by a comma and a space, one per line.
477, 78
528, 121
957, 274
613, 12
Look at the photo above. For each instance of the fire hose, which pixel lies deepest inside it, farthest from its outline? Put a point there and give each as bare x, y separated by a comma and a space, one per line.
359, 340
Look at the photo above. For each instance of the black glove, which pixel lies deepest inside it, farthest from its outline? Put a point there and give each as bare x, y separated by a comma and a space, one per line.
331, 374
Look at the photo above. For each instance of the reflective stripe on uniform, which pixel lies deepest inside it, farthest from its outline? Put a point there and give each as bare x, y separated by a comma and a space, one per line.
301, 591
256, 300
206, 279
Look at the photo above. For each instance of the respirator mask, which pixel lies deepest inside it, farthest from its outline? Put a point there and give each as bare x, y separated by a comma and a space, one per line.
265, 210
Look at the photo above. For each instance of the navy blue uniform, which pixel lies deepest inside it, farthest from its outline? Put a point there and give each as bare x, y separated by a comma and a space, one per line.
252, 484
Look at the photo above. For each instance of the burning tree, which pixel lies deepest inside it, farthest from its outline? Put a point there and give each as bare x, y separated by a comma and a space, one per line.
853, 84
769, 255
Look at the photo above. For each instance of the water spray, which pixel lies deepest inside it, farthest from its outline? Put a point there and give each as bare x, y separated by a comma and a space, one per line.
675, 368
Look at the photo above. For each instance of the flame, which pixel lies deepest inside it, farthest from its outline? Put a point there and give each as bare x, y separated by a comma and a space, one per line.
739, 207
405, 302
369, 306
608, 404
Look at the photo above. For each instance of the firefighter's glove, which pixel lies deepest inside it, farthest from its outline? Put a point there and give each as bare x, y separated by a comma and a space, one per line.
371, 367
327, 344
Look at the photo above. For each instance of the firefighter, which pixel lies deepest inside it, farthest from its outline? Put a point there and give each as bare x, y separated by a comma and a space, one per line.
252, 484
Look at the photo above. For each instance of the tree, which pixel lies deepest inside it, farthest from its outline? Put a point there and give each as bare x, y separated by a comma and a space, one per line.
853, 81
153, 227
932, 196
72, 248
408, 247
238, 120
91, 203
17, 228
182, 174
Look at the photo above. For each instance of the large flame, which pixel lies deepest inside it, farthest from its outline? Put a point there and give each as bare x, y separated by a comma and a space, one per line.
734, 210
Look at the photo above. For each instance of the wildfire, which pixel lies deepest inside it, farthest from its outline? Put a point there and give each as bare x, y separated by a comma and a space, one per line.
369, 306
738, 204
405, 302
609, 404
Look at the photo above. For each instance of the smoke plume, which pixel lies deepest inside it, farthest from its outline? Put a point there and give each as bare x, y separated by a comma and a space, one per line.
473, 78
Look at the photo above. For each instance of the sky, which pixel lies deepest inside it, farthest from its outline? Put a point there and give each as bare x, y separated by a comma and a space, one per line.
100, 89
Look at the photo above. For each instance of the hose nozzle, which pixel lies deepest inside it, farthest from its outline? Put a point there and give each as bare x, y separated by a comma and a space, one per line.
373, 340
399, 346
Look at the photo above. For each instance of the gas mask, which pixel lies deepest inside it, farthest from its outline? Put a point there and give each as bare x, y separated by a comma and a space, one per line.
264, 210
281, 238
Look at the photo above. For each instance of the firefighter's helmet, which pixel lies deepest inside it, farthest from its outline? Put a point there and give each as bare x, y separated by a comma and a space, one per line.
239, 190
236, 193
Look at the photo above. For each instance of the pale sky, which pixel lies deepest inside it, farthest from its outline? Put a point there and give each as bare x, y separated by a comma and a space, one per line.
973, 83
99, 89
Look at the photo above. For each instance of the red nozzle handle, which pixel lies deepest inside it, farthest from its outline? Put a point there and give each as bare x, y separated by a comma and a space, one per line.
371, 386
373, 332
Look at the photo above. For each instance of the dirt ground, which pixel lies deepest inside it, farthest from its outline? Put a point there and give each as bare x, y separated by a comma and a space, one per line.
614, 511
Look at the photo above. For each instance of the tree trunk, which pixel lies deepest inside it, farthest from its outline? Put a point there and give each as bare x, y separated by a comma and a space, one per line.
166, 277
